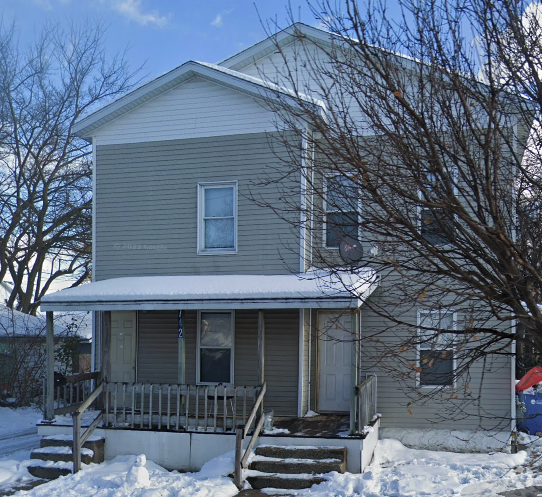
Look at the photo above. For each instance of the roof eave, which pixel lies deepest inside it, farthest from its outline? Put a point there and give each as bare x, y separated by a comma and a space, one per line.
204, 304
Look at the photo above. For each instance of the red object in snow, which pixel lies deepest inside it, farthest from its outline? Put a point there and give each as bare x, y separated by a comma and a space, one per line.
532, 377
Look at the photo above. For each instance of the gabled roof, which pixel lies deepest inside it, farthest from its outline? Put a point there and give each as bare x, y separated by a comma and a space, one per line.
269, 45
249, 85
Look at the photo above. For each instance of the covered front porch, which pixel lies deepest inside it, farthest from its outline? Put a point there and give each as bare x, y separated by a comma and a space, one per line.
208, 354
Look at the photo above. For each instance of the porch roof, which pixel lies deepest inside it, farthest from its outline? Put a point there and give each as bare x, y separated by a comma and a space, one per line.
316, 289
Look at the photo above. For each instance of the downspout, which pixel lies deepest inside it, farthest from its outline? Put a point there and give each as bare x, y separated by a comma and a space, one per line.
310, 360
514, 322
96, 316
303, 206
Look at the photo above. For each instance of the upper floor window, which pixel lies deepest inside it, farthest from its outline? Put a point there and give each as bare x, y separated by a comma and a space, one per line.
436, 352
341, 204
436, 225
217, 218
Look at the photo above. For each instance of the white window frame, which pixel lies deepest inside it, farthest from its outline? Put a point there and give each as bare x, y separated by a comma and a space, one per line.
325, 211
421, 208
198, 346
202, 187
445, 347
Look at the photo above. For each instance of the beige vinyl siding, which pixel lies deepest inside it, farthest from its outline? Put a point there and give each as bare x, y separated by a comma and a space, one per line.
195, 108
394, 405
146, 207
157, 351
273, 68
246, 348
281, 361
158, 358
190, 325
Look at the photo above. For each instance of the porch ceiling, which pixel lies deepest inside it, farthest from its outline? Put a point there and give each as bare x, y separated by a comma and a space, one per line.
317, 289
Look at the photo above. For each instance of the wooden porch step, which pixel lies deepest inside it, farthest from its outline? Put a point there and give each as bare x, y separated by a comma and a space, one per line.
283, 482
54, 458
95, 443
302, 452
64, 454
293, 467
297, 466
49, 470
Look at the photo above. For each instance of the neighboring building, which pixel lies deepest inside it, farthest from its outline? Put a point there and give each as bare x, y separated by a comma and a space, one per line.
196, 284
23, 354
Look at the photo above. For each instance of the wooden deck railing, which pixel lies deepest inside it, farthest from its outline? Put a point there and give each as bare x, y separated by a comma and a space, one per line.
78, 438
76, 394
164, 406
241, 433
365, 402
74, 390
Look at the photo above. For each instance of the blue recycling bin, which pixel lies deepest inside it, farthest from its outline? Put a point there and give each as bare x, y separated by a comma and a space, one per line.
532, 417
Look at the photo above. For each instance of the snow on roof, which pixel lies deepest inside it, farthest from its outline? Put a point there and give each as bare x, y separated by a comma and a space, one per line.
18, 324
319, 289
15, 323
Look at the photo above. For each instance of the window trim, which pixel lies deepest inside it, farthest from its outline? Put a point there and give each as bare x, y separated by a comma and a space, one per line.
447, 348
232, 348
202, 186
326, 178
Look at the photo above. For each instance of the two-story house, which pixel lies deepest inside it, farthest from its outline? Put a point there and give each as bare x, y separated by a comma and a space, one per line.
202, 294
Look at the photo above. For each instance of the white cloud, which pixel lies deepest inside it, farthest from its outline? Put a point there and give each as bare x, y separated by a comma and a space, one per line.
133, 11
217, 23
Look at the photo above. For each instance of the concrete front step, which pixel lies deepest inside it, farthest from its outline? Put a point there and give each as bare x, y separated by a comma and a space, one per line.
289, 482
54, 458
49, 470
95, 443
299, 452
65, 454
293, 468
298, 466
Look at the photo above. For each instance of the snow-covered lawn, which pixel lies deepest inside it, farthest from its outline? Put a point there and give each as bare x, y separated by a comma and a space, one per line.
396, 471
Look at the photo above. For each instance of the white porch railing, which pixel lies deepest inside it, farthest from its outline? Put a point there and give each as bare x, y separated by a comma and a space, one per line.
164, 406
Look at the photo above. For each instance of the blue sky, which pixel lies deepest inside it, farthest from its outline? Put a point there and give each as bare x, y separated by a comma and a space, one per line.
163, 34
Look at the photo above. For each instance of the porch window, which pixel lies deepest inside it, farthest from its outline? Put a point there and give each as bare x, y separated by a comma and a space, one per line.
341, 204
217, 218
215, 346
436, 225
436, 353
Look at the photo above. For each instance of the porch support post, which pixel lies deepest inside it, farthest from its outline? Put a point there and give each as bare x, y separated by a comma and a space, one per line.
261, 347
50, 346
355, 370
106, 345
181, 351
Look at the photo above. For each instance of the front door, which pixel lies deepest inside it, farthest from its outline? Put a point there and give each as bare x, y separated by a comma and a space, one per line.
123, 346
336, 343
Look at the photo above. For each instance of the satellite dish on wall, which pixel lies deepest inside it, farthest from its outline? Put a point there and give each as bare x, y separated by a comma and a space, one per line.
351, 250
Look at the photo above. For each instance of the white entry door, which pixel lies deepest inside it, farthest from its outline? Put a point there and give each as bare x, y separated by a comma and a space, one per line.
123, 346
336, 342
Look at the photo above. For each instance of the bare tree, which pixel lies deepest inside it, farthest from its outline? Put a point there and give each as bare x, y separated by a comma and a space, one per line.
416, 128
45, 171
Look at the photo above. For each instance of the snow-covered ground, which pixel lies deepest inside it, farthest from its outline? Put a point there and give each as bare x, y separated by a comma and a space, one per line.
396, 470
18, 436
